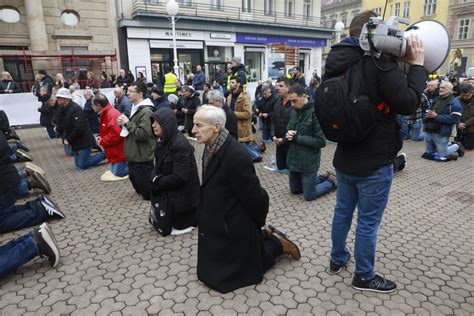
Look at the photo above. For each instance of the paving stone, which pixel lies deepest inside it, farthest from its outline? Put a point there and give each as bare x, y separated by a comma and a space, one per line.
114, 263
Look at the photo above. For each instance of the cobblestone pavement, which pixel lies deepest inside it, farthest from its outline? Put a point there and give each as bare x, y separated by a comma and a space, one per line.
114, 262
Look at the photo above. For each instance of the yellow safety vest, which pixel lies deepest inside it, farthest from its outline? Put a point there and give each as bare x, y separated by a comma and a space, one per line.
170, 83
235, 74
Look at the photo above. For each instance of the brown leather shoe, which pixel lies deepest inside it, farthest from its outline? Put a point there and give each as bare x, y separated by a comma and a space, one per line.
38, 181
289, 247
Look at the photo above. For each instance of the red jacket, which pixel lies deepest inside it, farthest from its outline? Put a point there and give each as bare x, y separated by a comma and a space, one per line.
110, 137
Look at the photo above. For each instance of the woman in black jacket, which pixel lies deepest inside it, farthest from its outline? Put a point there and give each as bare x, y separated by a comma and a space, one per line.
7, 85
175, 175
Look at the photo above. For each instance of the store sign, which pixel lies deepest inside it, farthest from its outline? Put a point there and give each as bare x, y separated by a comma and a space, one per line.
179, 44
180, 34
268, 39
220, 36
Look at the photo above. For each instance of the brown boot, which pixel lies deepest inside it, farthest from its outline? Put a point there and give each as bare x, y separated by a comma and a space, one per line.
289, 247
37, 181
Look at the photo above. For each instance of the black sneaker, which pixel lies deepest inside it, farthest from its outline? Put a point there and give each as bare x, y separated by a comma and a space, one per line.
427, 156
47, 244
335, 268
51, 208
376, 284
403, 158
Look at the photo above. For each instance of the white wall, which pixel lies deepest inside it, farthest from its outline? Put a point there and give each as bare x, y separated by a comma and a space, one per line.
22, 108
139, 55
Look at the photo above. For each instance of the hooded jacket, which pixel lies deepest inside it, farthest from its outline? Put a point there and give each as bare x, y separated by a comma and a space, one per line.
140, 142
304, 154
401, 93
175, 171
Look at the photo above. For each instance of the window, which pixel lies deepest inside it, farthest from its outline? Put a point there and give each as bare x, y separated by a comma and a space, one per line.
217, 4
246, 6
185, 3
430, 7
333, 19
269, 7
307, 10
70, 18
344, 19
463, 29
378, 11
289, 8
152, 1
406, 10
9, 15
397, 9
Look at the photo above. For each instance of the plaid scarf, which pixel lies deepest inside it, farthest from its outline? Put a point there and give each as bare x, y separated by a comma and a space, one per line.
210, 151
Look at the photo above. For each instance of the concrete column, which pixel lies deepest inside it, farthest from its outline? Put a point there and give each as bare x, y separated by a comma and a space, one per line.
36, 26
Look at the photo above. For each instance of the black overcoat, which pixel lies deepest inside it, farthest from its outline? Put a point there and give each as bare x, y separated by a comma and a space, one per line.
232, 209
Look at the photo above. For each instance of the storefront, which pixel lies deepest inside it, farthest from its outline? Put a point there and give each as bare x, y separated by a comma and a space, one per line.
150, 50
262, 63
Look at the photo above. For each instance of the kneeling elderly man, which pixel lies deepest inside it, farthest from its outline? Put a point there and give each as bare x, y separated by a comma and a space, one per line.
233, 249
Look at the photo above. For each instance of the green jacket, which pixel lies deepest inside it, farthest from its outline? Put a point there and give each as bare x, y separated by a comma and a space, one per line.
304, 154
140, 142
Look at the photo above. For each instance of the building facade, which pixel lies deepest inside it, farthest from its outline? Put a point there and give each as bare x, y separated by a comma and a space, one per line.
211, 32
460, 19
69, 37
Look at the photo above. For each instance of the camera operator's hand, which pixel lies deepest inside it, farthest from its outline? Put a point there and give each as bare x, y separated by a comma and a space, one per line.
415, 51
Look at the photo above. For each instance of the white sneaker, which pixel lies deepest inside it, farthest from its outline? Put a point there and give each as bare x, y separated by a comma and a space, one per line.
175, 231
47, 244
31, 166
108, 176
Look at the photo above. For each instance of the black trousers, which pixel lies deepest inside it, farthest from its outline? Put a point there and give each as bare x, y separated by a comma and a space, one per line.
272, 249
139, 174
281, 155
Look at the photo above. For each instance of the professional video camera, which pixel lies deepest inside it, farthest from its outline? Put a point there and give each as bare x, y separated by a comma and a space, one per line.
385, 37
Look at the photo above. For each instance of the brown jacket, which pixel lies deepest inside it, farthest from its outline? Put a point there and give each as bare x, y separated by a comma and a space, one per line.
243, 113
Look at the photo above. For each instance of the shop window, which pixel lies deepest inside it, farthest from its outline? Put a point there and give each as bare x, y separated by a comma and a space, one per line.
216, 53
9, 15
70, 17
253, 63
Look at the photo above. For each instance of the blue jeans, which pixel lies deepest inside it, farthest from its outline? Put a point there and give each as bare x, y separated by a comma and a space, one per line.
51, 132
251, 150
415, 131
24, 189
17, 252
370, 195
84, 160
13, 217
437, 143
310, 184
267, 131
403, 120
119, 169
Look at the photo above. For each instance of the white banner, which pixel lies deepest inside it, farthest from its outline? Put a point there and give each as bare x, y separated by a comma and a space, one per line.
22, 108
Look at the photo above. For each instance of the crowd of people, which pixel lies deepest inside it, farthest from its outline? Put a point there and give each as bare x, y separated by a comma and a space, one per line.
144, 134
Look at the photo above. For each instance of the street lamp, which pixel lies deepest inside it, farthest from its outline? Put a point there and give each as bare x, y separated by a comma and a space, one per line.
338, 27
172, 8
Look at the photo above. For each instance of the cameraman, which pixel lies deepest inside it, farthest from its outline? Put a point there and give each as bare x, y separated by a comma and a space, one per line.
364, 170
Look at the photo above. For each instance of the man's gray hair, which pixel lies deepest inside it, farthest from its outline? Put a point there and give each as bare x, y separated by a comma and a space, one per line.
447, 84
213, 114
215, 95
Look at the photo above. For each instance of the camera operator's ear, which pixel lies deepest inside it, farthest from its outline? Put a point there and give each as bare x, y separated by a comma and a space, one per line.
436, 47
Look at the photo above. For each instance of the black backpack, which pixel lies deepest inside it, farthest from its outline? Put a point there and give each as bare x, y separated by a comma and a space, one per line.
343, 107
